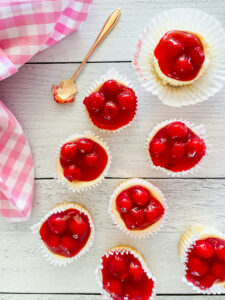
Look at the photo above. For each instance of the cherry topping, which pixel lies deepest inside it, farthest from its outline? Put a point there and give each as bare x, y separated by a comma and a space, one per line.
91, 159
57, 224
129, 221
197, 266
94, 102
177, 150
158, 146
68, 151
85, 145
53, 241
119, 264
114, 286
175, 47
72, 173
135, 271
154, 211
140, 196
177, 130
195, 147
110, 110
220, 252
68, 243
78, 226
124, 203
184, 65
207, 281
218, 270
138, 215
197, 56
126, 100
110, 88
204, 249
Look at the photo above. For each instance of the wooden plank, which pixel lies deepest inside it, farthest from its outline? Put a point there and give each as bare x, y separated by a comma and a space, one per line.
119, 45
23, 269
47, 123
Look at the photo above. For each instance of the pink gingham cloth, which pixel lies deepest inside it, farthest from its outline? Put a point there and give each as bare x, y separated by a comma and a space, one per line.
16, 169
28, 27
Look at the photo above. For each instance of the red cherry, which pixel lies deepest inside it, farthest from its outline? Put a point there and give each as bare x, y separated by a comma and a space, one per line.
207, 281
129, 221
53, 241
68, 151
183, 64
135, 271
94, 102
204, 249
72, 173
126, 100
85, 145
153, 211
175, 48
110, 110
114, 287
197, 56
140, 195
78, 226
44, 232
158, 146
124, 203
126, 89
177, 130
118, 264
68, 243
177, 150
195, 147
110, 88
138, 215
220, 252
57, 224
197, 266
132, 292
218, 270
91, 159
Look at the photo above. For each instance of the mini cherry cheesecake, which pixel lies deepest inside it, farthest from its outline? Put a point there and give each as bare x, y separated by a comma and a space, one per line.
202, 251
181, 57
123, 274
137, 207
111, 105
83, 161
176, 147
65, 233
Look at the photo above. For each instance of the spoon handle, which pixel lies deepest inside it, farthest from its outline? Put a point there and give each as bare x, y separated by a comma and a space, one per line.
108, 26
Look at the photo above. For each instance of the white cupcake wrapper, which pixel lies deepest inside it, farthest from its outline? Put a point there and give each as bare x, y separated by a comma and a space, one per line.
123, 185
126, 250
187, 242
198, 129
111, 74
188, 19
58, 260
86, 185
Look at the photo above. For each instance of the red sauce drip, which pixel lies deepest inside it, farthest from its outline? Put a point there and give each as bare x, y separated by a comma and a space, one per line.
138, 208
66, 233
177, 148
206, 263
87, 171
122, 114
180, 55
123, 276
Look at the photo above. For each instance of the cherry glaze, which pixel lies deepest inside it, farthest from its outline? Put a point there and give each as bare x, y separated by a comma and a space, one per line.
180, 55
123, 276
66, 233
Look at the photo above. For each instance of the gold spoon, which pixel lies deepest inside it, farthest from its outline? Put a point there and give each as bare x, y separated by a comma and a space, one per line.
66, 90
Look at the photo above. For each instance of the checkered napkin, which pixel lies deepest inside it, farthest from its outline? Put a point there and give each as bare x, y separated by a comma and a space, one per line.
28, 27
16, 169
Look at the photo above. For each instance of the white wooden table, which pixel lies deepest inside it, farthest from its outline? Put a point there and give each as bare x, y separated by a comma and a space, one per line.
24, 273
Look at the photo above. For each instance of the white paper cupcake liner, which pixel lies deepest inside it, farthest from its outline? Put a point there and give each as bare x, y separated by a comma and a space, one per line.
52, 258
83, 185
187, 19
122, 250
187, 242
198, 129
111, 74
122, 227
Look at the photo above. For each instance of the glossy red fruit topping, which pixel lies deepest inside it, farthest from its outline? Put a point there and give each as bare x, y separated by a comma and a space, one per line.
94, 102
112, 106
123, 276
140, 196
66, 233
85, 145
138, 208
176, 147
91, 159
220, 252
126, 100
204, 266
72, 173
68, 151
180, 55
110, 88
